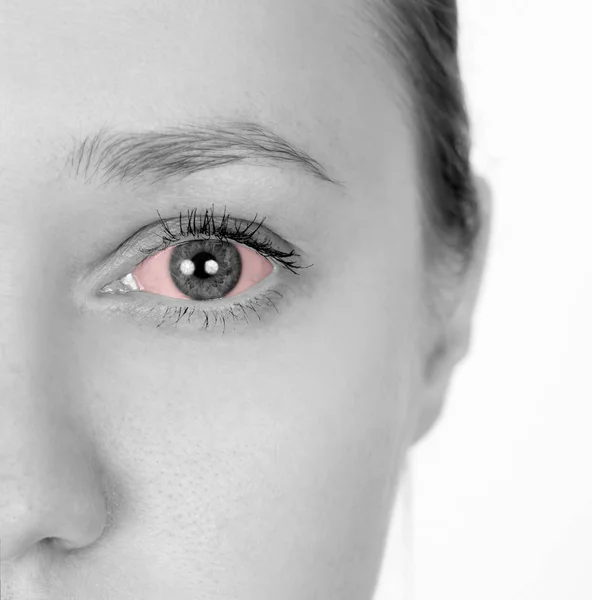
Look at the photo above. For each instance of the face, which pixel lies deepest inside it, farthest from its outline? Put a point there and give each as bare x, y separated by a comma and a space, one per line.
143, 453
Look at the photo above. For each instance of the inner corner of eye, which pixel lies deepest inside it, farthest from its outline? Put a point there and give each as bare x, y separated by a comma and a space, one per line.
121, 286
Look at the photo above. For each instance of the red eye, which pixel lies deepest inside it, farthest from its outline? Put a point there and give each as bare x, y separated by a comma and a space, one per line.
202, 266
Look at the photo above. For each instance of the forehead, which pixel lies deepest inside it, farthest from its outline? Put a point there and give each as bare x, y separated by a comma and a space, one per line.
302, 66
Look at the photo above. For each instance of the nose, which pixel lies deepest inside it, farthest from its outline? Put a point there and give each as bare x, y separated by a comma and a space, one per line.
50, 491
51, 479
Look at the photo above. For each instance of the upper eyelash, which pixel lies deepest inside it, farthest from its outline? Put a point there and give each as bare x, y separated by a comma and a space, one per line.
223, 232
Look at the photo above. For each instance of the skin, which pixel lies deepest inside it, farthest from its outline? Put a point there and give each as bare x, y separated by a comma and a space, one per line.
137, 461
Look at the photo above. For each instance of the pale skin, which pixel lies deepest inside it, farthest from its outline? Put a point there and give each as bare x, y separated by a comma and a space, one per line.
139, 461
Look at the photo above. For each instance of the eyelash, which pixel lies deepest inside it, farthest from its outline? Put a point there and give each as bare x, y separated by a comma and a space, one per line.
224, 231
214, 314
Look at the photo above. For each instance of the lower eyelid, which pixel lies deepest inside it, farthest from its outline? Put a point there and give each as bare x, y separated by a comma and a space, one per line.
143, 308
257, 308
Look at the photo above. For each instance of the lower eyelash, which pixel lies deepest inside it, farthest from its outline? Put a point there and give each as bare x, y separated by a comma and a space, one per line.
211, 317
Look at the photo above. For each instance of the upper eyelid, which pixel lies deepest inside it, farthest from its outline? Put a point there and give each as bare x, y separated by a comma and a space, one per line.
174, 227
258, 228
252, 234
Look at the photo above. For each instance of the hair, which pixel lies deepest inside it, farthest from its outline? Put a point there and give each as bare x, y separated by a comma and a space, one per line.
422, 36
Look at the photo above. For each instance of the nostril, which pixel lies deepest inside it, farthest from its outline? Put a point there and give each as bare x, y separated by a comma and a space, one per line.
58, 543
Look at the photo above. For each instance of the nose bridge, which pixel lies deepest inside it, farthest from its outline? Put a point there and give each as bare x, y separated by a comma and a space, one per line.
23, 280
33, 298
19, 269
17, 337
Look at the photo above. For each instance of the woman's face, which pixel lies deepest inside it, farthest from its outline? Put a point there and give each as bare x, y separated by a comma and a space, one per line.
247, 460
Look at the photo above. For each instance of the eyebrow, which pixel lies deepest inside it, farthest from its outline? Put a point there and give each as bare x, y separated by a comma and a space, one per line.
182, 150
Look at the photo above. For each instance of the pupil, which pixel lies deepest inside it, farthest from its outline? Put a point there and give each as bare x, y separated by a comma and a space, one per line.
199, 260
205, 270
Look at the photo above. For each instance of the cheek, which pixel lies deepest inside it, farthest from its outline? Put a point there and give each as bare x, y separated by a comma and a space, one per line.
284, 446
230, 452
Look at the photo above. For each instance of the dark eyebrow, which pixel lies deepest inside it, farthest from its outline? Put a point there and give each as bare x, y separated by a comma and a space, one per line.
181, 151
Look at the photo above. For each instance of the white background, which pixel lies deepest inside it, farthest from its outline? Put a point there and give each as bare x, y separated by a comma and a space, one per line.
502, 488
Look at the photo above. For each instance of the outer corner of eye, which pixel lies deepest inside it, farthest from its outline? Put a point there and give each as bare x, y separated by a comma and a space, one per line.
121, 286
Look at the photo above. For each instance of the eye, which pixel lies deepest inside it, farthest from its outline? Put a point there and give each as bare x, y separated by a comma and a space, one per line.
218, 268
202, 270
